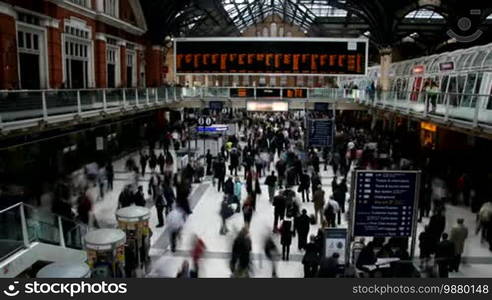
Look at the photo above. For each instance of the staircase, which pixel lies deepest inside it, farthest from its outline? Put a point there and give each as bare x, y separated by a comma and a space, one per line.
29, 234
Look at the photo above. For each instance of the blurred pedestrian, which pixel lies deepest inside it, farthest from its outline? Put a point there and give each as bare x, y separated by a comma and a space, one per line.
458, 235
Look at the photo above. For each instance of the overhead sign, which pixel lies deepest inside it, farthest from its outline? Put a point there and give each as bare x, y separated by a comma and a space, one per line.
418, 70
217, 128
242, 92
267, 106
446, 66
385, 203
268, 93
294, 93
280, 56
428, 126
336, 242
216, 105
320, 133
322, 106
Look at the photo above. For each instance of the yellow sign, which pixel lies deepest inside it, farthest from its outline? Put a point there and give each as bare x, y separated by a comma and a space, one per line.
428, 126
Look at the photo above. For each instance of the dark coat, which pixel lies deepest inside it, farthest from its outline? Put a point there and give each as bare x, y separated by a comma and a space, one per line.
302, 224
286, 233
279, 204
312, 254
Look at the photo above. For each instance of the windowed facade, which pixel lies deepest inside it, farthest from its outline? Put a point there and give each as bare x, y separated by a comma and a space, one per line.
85, 3
131, 68
113, 63
77, 55
111, 8
32, 56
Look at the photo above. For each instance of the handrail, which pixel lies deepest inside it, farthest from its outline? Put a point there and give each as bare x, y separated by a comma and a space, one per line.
39, 105
10, 207
57, 227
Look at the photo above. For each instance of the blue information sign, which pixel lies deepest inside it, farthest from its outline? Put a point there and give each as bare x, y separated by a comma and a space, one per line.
385, 203
320, 133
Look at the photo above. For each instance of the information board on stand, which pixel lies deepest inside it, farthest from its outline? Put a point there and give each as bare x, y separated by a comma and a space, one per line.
320, 132
385, 203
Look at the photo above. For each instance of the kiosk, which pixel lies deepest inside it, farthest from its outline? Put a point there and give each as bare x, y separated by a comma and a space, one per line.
65, 270
106, 253
134, 221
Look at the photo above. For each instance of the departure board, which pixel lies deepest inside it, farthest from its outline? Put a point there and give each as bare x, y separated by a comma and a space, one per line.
289, 56
268, 93
385, 203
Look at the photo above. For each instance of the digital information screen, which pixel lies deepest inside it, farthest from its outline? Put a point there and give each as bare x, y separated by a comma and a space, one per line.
282, 56
322, 106
385, 203
267, 106
267, 93
320, 133
216, 105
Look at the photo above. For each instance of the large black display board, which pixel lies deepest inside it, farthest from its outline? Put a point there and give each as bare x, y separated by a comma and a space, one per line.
293, 56
320, 133
385, 203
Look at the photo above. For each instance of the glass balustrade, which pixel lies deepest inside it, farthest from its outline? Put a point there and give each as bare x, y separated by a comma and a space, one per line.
11, 235
24, 224
25, 106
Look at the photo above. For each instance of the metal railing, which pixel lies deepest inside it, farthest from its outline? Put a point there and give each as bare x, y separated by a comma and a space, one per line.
19, 109
472, 109
23, 224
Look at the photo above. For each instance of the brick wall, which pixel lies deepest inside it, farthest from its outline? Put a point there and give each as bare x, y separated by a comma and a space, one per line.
9, 78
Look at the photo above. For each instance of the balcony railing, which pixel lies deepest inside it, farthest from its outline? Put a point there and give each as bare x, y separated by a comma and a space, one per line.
474, 110
23, 225
20, 109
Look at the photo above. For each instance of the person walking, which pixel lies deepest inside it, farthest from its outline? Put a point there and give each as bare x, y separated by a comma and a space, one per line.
143, 162
241, 252
311, 258
169, 196
160, 204
330, 212
279, 204
437, 224
220, 174
160, 162
271, 182
286, 234
445, 254
139, 197
425, 246
319, 204
458, 235
305, 182
248, 211
302, 223
175, 222
110, 175
281, 167
229, 187
271, 252
339, 195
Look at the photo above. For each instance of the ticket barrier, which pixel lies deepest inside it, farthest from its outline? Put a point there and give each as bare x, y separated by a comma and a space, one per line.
134, 221
106, 253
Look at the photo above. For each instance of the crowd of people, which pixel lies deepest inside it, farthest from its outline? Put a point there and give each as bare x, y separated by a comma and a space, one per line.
270, 151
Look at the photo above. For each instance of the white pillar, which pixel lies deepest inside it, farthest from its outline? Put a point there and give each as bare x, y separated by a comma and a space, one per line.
386, 58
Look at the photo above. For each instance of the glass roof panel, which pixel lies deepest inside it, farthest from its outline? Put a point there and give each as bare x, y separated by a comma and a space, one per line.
423, 14
245, 13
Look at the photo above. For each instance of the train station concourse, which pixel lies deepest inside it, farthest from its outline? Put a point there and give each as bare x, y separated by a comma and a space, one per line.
245, 139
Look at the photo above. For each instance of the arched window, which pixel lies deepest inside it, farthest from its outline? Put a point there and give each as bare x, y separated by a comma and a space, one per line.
273, 29
265, 32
